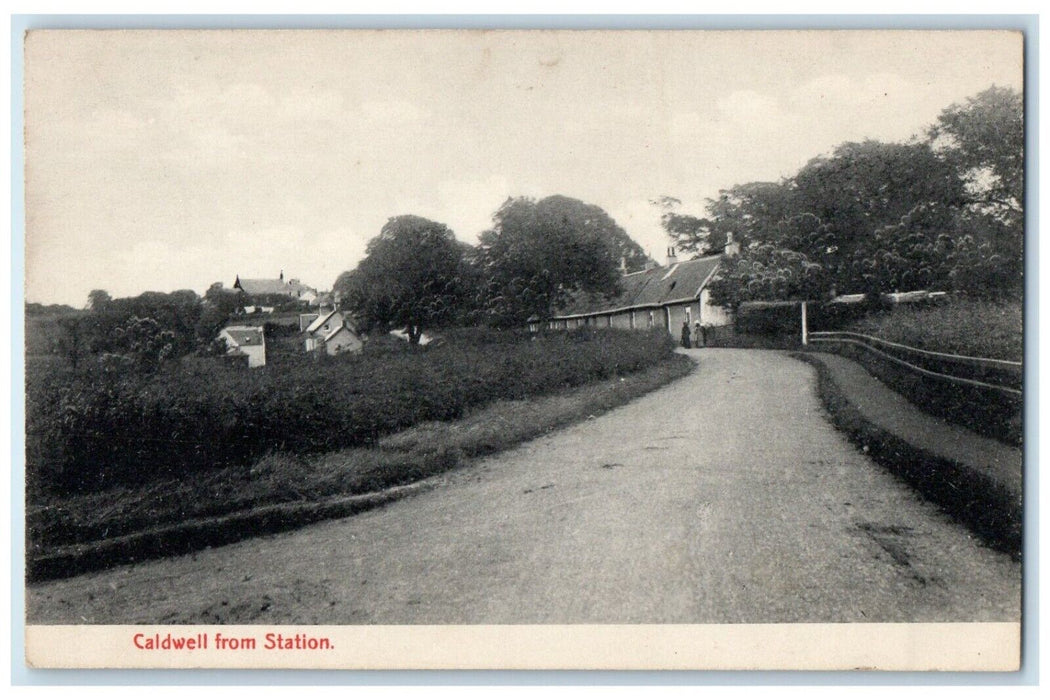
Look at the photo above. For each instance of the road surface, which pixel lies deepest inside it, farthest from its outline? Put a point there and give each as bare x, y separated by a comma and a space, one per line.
725, 497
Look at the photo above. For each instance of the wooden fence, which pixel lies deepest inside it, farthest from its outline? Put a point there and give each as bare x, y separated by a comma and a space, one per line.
999, 375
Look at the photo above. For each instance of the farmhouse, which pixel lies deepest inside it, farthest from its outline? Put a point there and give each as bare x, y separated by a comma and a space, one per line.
657, 297
246, 340
293, 289
334, 332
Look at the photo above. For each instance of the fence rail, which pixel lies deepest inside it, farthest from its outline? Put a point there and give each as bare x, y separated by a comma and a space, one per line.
869, 343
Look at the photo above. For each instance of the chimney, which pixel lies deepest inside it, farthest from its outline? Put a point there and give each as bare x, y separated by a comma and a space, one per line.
282, 276
672, 259
732, 247
623, 264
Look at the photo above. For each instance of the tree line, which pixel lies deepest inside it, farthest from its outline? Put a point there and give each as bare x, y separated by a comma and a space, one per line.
536, 257
140, 333
943, 211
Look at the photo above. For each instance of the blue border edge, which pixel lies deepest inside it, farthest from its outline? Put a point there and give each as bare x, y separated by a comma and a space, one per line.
21, 675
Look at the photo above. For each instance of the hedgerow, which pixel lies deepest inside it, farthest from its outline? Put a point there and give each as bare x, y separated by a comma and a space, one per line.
99, 428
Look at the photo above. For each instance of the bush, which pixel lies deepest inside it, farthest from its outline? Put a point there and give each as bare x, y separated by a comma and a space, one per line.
965, 327
962, 326
96, 429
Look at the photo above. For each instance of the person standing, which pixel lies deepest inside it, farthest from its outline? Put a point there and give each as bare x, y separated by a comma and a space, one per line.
685, 334
698, 338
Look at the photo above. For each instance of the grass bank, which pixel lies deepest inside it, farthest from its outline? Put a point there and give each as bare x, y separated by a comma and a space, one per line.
986, 505
972, 327
961, 326
284, 490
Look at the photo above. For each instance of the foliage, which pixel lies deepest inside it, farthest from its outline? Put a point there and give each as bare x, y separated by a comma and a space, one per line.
691, 234
767, 272
71, 336
146, 343
34, 309
178, 313
217, 307
964, 327
942, 213
539, 253
91, 429
983, 139
410, 277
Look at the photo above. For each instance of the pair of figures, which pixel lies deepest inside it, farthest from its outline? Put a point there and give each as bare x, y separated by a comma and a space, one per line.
696, 339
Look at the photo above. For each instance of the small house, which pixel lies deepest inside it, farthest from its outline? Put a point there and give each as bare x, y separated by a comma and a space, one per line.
334, 332
246, 340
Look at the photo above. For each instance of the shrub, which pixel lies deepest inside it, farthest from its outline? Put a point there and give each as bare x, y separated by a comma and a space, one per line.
963, 326
96, 429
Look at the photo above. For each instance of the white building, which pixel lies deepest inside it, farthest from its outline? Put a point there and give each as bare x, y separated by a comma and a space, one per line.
246, 340
333, 331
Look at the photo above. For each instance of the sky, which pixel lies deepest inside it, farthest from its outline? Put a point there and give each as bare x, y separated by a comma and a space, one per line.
164, 160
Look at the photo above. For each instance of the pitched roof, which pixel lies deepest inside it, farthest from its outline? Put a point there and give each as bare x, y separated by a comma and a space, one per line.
260, 287
676, 283
245, 335
320, 321
336, 331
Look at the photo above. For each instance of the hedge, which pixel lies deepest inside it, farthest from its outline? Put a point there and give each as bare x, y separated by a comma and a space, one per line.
98, 428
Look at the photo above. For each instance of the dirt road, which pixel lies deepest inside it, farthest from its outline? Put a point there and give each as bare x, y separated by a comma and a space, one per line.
724, 497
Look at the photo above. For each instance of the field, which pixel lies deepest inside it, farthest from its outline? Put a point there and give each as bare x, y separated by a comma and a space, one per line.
128, 454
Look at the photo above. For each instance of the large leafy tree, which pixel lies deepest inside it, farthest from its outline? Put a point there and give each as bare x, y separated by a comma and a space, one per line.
750, 212
863, 187
983, 139
410, 277
539, 254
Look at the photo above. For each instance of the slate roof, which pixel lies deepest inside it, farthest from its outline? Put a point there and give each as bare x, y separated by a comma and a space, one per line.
347, 323
245, 335
261, 287
678, 283
337, 331
320, 321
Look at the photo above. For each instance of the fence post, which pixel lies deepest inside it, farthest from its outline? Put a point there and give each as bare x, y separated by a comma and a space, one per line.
805, 330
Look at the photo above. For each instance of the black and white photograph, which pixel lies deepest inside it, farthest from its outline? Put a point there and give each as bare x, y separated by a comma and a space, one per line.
351, 348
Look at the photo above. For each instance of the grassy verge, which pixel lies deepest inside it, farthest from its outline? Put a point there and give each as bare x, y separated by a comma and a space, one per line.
284, 491
984, 505
963, 326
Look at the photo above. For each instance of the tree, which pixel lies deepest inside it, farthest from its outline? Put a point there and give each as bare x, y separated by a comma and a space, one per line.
538, 254
218, 306
410, 277
178, 312
691, 234
145, 343
864, 186
73, 337
98, 299
983, 139
765, 272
